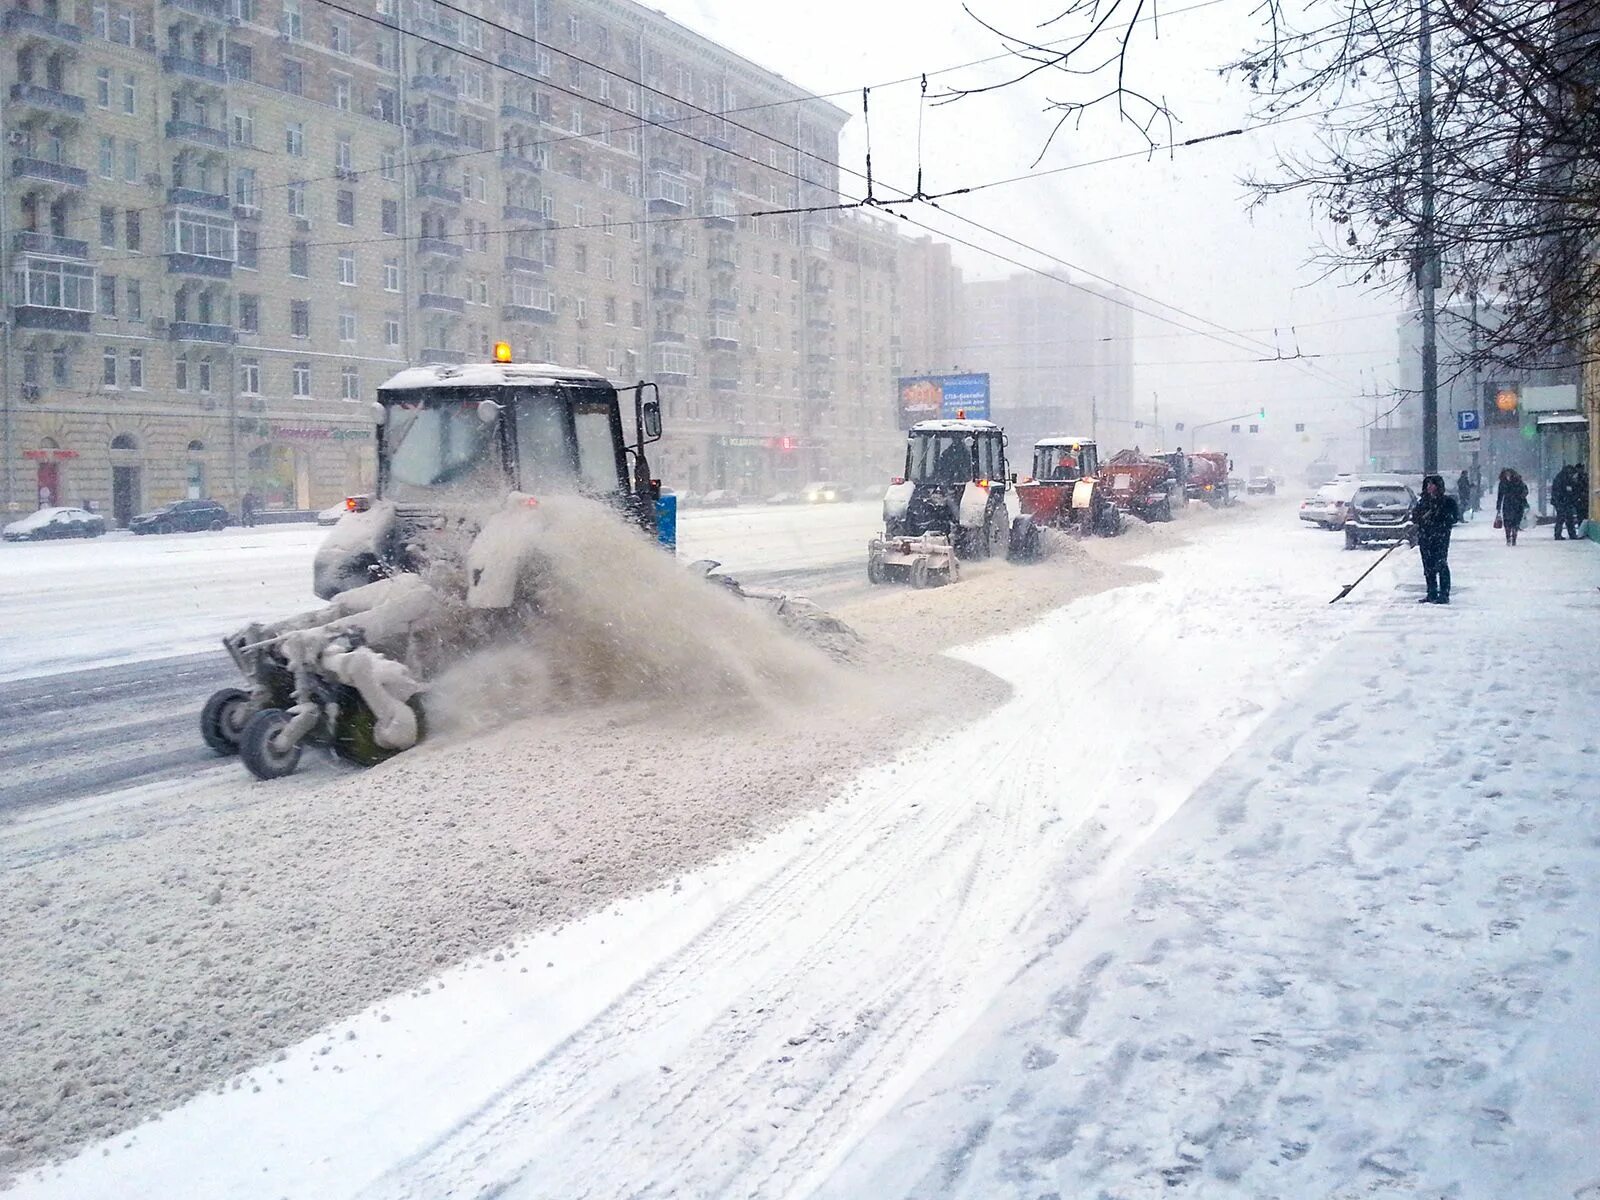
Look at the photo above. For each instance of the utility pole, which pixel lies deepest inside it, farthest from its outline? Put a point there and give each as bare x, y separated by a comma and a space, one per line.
1094, 418
1428, 259
1155, 400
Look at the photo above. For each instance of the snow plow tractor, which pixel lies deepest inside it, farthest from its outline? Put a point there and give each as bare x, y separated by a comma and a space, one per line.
1066, 492
438, 561
955, 502
1145, 485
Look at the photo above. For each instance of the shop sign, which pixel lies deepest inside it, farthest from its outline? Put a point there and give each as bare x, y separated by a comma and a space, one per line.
49, 455
303, 433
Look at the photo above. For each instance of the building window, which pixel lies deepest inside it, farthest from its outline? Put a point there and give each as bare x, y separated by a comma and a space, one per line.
244, 187
339, 36
350, 383
345, 212
297, 197
180, 373
60, 367
294, 140
108, 158
130, 162
390, 217
135, 301
249, 314
391, 275
342, 93
136, 368
343, 153
244, 127
347, 267
299, 260
389, 163
391, 331
294, 77
133, 226
108, 295
108, 367
347, 327
203, 370
108, 227
250, 377
300, 318
130, 94
102, 87
301, 376
249, 252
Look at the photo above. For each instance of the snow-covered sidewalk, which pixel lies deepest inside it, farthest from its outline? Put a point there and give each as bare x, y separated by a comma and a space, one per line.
1361, 960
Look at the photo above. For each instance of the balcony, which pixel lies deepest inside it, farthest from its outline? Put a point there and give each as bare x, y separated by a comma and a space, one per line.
724, 304
441, 192
726, 339
520, 64
668, 194
527, 313
819, 358
438, 85
512, 162
60, 320
28, 242
434, 355
53, 172
532, 218
720, 383
199, 264
438, 247
426, 136
669, 249
247, 212
819, 287
719, 263
820, 324
177, 64
670, 335
19, 20
194, 331
200, 135
819, 392
672, 295
212, 10
515, 262
434, 302
194, 198
515, 112
44, 99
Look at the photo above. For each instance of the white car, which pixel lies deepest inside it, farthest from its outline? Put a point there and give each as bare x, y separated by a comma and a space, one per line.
56, 522
1329, 505
332, 514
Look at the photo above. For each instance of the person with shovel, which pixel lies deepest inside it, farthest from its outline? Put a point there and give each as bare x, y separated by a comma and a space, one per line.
1434, 515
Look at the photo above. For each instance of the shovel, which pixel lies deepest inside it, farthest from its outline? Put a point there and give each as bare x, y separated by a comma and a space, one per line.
1350, 587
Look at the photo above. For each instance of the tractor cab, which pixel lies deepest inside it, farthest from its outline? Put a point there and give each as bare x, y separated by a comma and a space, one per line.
1065, 459
455, 442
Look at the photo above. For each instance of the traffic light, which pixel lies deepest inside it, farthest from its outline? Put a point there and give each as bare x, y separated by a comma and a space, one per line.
1263, 413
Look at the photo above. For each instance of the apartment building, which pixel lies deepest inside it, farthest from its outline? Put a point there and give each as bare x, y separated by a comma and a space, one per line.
226, 221
1060, 359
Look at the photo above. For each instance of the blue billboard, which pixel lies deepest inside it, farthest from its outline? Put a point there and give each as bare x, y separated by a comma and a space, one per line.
930, 397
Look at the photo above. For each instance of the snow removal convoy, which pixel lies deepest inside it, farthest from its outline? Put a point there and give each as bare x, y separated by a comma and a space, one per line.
440, 561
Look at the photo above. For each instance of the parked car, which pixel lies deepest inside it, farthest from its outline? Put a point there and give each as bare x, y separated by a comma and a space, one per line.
1327, 506
332, 514
1379, 512
184, 516
719, 498
55, 523
826, 492
1262, 485
783, 498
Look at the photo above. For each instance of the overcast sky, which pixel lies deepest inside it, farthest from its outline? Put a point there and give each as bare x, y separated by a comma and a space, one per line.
1175, 228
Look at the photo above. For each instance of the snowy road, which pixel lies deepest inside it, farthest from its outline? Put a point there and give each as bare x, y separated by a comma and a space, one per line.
108, 648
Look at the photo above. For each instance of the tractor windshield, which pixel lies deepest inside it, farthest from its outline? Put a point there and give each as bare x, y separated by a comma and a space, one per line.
939, 458
437, 444
1061, 462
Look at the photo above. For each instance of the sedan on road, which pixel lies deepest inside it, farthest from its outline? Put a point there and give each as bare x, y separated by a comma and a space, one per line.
1329, 505
55, 523
184, 516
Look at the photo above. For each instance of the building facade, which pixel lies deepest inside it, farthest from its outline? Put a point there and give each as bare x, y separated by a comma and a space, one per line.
1059, 358
226, 221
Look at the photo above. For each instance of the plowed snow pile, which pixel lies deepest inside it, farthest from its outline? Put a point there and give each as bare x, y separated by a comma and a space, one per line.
161, 941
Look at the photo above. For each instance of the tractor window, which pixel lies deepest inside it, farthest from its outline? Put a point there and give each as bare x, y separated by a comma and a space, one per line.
544, 459
432, 447
1058, 462
941, 458
988, 457
598, 466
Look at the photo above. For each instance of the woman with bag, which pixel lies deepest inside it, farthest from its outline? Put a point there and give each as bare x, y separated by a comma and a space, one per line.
1510, 504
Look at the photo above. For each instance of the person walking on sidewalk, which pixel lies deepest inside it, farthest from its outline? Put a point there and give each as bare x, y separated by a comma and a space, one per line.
1510, 504
1464, 494
1435, 514
1561, 502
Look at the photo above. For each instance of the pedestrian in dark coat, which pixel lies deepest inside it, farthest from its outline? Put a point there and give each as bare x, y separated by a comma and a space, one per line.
1510, 503
1435, 514
247, 509
1564, 502
1464, 494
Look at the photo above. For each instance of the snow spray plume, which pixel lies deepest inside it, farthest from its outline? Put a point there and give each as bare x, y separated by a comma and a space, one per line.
613, 618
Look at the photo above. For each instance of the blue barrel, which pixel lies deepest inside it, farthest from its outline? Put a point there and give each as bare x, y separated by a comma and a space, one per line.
667, 521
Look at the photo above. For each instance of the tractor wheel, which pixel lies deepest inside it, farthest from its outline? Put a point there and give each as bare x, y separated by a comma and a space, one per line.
1164, 512
1024, 545
354, 733
919, 573
256, 751
877, 573
223, 719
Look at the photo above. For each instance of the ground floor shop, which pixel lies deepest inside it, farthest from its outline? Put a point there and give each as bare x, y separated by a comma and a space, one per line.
758, 466
120, 463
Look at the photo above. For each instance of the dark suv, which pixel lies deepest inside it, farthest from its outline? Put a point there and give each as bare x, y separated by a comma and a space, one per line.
185, 516
1379, 512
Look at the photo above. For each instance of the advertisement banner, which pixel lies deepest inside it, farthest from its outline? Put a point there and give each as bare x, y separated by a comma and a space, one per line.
931, 397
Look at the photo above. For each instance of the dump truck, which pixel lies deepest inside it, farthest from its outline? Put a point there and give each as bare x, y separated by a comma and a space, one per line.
1066, 490
1149, 486
1208, 477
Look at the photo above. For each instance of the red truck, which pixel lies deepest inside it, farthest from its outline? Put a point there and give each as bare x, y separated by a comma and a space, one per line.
1208, 477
